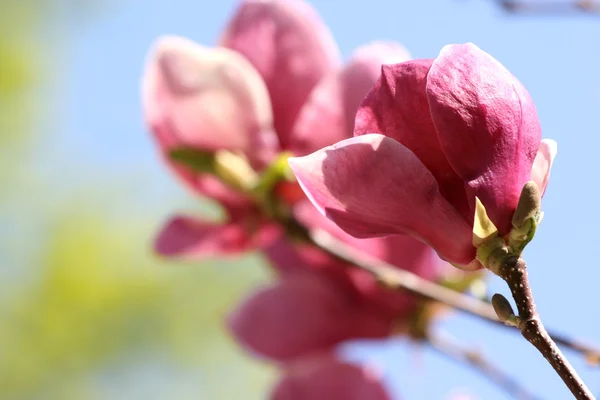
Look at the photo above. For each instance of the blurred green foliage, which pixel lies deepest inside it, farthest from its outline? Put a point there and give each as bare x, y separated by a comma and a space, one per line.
83, 297
17, 47
99, 296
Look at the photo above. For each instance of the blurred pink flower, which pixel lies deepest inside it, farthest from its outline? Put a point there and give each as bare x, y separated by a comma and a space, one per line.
330, 302
429, 137
320, 302
325, 311
325, 377
274, 83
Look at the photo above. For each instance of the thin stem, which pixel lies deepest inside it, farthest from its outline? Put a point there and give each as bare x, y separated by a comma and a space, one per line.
514, 272
479, 363
550, 7
396, 278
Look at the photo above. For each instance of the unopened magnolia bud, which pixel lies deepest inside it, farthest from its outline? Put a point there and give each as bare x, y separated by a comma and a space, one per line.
526, 218
502, 307
504, 310
529, 205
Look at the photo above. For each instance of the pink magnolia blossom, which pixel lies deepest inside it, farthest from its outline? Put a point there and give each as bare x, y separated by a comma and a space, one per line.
274, 78
319, 302
330, 302
325, 377
325, 310
221, 99
429, 137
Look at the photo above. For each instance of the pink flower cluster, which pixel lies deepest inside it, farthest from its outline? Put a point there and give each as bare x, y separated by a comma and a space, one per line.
275, 83
430, 136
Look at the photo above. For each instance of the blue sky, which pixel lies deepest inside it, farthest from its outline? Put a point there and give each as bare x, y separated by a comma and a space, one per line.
558, 61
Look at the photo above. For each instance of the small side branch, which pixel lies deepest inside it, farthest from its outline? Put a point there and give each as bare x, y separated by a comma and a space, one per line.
396, 278
514, 272
559, 8
479, 363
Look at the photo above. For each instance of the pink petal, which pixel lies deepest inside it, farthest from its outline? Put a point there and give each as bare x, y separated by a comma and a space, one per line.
209, 99
487, 125
323, 316
291, 48
373, 186
328, 378
397, 107
191, 238
328, 115
540, 173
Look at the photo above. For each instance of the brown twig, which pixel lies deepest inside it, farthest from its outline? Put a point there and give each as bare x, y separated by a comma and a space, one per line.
550, 7
514, 272
479, 363
395, 278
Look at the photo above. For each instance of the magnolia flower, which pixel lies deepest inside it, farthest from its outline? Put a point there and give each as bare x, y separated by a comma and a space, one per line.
317, 303
430, 137
325, 309
273, 84
300, 319
211, 114
330, 302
